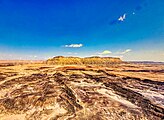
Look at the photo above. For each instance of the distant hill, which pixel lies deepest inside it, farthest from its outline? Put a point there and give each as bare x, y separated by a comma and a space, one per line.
60, 60
145, 62
18, 62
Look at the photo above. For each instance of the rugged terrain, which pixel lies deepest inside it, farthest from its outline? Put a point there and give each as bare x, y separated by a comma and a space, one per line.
123, 91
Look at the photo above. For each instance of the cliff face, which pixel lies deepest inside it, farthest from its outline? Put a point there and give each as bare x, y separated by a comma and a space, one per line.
60, 60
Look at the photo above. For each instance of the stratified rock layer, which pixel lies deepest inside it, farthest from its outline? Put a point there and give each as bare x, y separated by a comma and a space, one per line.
47, 92
60, 60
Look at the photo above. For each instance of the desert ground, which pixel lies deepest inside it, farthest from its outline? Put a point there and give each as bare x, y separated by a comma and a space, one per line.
39, 91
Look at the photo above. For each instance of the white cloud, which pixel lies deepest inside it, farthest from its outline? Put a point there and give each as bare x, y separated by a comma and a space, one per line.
122, 18
74, 45
126, 51
105, 52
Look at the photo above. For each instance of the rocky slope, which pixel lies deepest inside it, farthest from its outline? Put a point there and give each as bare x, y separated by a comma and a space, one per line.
48, 92
60, 60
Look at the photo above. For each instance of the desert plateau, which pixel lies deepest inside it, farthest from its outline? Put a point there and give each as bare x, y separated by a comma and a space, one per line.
113, 91
82, 60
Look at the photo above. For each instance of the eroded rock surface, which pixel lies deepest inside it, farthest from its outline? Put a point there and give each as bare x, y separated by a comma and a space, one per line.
61, 60
47, 92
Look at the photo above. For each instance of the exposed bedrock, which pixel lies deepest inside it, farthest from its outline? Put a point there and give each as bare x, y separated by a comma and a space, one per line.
80, 93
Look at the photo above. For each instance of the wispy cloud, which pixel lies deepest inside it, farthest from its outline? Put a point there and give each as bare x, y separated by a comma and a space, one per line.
122, 18
74, 45
126, 51
118, 20
105, 52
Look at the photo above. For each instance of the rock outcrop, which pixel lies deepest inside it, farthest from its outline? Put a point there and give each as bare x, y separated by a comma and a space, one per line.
60, 60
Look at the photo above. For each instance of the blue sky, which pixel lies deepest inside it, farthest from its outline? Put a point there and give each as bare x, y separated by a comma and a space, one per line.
39, 29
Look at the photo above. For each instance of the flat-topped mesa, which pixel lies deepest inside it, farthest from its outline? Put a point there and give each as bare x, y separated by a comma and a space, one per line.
96, 60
